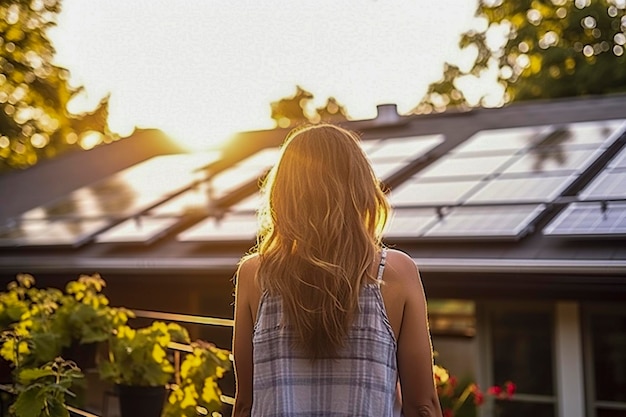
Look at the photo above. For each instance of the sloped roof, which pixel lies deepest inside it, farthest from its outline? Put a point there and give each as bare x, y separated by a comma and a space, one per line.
481, 195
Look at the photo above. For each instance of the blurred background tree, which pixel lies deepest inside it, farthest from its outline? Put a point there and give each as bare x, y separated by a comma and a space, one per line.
539, 49
295, 110
34, 93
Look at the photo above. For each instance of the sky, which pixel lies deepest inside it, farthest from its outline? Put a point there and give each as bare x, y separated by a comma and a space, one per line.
202, 70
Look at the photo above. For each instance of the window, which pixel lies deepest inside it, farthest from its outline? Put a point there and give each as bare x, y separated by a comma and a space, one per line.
521, 349
606, 359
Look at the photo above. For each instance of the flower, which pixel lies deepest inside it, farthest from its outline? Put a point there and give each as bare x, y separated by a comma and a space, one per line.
462, 398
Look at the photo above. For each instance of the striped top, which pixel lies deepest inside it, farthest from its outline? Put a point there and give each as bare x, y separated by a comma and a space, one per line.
361, 382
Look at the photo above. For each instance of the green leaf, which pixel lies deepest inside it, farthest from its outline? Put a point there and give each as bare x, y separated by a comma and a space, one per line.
27, 376
29, 403
56, 408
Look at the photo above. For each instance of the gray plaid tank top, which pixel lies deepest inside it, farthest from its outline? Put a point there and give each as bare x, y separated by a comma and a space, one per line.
361, 382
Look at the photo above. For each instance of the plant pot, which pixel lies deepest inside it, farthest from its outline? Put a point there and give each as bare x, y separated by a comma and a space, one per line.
140, 401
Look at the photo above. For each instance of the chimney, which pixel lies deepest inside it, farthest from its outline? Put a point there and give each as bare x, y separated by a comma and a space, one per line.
387, 114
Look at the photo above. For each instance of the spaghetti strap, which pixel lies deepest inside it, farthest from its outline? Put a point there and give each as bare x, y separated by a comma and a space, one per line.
381, 265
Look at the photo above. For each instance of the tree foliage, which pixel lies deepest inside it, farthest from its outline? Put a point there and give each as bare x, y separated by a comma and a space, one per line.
34, 93
551, 49
295, 110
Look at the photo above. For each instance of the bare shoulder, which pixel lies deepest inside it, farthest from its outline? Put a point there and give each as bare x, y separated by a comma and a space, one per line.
247, 268
401, 268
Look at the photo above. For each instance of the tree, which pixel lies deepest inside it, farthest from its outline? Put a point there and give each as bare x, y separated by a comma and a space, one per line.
550, 49
34, 93
295, 110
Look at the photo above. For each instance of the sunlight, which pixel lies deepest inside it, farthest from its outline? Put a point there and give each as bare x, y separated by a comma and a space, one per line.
204, 70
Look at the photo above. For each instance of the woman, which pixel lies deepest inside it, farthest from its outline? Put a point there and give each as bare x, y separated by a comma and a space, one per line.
327, 320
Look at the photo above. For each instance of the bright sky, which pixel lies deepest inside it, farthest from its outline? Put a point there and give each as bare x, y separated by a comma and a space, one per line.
201, 70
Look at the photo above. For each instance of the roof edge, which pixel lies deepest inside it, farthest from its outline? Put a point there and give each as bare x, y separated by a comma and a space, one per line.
229, 264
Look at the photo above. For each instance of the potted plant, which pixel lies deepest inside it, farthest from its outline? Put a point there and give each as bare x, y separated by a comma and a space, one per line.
197, 390
138, 364
51, 321
42, 391
85, 318
35, 333
13, 304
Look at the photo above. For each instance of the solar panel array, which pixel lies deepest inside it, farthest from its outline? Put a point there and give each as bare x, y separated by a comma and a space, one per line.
498, 182
79, 216
601, 211
495, 185
388, 156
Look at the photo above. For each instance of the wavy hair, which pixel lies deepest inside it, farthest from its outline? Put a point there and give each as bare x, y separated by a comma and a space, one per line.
321, 227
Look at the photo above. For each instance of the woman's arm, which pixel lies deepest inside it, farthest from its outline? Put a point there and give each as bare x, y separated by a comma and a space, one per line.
242, 337
415, 354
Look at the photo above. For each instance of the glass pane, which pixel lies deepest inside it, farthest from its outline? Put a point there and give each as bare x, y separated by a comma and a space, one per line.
49, 232
486, 221
511, 408
606, 185
436, 193
231, 228
588, 219
503, 141
409, 223
404, 149
452, 317
609, 355
531, 189
195, 200
585, 133
383, 170
129, 191
464, 166
540, 160
522, 350
142, 229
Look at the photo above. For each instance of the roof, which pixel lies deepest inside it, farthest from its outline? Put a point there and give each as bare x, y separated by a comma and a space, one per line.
525, 197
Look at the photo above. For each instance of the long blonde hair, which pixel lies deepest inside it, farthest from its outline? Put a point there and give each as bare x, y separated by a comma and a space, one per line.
320, 233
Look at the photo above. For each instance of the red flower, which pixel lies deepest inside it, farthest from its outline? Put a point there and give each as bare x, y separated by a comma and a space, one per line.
452, 381
494, 390
447, 412
509, 388
479, 397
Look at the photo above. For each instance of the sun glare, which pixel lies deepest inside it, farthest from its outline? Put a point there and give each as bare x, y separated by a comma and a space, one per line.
203, 71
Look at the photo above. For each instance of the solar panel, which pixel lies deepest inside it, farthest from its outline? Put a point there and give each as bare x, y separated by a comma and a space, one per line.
413, 193
409, 223
46, 232
195, 200
244, 172
502, 141
249, 204
403, 149
127, 192
592, 134
538, 189
504, 222
619, 161
589, 220
463, 166
383, 170
519, 167
563, 161
143, 229
230, 228
608, 184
